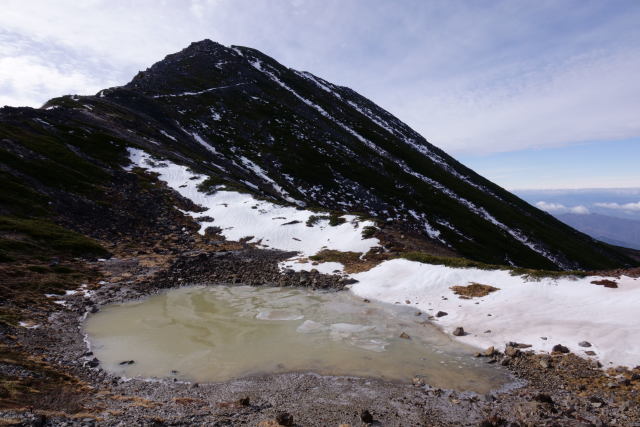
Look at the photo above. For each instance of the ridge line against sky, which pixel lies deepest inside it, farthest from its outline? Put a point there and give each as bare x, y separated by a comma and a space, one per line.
548, 89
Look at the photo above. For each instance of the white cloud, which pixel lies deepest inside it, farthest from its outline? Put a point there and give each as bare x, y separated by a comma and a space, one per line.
580, 210
619, 206
560, 208
470, 78
26, 80
591, 98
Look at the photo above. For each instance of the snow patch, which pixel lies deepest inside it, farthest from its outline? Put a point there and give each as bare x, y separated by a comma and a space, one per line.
241, 215
204, 143
167, 135
200, 92
564, 311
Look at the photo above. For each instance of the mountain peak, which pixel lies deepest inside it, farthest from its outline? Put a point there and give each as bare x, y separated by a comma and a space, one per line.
249, 123
194, 67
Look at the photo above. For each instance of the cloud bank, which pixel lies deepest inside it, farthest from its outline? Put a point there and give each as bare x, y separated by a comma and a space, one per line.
560, 208
618, 206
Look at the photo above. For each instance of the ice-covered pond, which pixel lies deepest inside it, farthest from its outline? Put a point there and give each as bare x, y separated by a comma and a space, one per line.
218, 333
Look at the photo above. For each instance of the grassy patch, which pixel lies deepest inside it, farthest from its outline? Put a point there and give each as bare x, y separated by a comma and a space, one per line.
473, 290
315, 219
20, 236
353, 262
45, 388
606, 283
209, 185
447, 261
369, 231
330, 255
336, 219
467, 263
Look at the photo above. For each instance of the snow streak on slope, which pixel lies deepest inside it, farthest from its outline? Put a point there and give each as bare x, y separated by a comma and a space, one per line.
202, 142
200, 92
429, 228
262, 174
240, 215
541, 313
396, 132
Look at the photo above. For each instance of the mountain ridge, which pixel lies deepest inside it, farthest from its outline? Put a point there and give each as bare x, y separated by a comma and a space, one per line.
249, 123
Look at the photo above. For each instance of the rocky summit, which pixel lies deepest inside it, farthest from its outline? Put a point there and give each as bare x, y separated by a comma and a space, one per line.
249, 123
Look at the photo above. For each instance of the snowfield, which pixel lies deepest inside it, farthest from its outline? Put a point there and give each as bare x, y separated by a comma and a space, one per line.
564, 311
541, 313
240, 215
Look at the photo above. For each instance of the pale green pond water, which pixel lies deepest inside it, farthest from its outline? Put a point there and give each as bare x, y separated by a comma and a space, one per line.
219, 333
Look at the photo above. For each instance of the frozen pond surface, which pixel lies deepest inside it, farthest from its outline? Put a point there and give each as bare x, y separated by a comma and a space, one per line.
219, 333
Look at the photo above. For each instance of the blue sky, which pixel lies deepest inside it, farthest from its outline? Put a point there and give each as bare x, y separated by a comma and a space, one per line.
530, 94
603, 164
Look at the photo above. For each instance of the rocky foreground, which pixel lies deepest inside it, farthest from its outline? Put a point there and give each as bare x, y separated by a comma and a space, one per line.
49, 377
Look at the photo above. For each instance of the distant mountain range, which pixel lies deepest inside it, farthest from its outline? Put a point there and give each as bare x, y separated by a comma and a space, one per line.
617, 231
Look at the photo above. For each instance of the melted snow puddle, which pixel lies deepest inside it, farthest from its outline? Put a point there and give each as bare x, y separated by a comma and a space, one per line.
219, 333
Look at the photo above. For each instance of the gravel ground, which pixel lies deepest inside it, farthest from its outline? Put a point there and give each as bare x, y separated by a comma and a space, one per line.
557, 389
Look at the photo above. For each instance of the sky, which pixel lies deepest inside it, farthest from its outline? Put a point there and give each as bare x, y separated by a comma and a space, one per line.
530, 94
617, 202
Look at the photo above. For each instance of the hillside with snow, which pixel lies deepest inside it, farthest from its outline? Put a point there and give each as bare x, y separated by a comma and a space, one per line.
244, 121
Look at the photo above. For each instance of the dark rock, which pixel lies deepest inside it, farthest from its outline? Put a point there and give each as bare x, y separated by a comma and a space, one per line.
38, 421
284, 419
93, 363
459, 331
559, 348
441, 313
606, 283
244, 401
493, 421
584, 344
366, 416
127, 362
543, 398
511, 351
405, 336
596, 402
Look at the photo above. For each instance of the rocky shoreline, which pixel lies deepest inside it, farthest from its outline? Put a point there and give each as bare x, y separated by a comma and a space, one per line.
556, 389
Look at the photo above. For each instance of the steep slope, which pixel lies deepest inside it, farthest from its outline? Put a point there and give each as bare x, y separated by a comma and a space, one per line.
251, 124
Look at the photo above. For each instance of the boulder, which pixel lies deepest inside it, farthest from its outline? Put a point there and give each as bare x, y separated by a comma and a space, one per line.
284, 419
559, 348
366, 416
